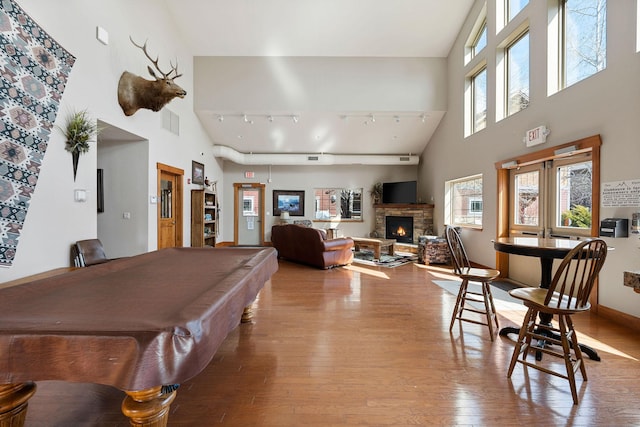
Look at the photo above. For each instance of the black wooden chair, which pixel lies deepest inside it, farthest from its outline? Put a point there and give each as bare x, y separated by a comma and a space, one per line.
463, 269
568, 294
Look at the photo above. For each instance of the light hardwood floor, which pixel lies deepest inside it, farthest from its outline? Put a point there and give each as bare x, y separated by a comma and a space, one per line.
361, 346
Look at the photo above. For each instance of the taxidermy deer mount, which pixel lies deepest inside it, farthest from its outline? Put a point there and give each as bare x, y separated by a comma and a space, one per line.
134, 92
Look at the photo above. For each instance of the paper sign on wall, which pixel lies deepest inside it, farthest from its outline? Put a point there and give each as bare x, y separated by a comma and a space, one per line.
620, 194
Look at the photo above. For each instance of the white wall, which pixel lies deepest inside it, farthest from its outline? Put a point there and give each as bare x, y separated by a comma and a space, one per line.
308, 178
607, 104
54, 220
125, 190
326, 83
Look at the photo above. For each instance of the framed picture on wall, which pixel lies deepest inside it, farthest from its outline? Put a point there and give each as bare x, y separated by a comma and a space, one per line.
197, 173
288, 201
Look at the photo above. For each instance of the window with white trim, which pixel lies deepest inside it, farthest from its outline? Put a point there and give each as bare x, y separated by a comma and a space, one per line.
475, 98
517, 75
478, 90
514, 7
577, 42
464, 202
480, 41
477, 40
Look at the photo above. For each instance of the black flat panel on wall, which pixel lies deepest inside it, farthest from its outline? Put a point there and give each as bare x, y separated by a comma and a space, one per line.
399, 192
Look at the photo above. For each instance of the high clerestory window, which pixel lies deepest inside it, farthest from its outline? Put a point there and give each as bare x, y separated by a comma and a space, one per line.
517, 74
480, 41
514, 7
577, 42
479, 100
475, 100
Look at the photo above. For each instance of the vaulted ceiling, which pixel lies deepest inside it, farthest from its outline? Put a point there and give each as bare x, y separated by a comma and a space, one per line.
320, 76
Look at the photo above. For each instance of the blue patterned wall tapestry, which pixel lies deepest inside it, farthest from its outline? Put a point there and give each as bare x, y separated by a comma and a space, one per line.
34, 70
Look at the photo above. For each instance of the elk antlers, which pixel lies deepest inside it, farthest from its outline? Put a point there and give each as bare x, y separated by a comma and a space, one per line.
155, 62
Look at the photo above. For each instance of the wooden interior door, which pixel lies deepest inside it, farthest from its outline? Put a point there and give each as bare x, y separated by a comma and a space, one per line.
169, 206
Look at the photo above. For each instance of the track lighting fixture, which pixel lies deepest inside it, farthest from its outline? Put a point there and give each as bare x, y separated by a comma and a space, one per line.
367, 118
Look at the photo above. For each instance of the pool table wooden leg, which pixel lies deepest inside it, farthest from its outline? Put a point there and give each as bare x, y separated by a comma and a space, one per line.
148, 408
247, 314
14, 399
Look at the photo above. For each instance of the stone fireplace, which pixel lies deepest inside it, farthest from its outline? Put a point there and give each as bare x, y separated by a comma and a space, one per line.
421, 214
399, 228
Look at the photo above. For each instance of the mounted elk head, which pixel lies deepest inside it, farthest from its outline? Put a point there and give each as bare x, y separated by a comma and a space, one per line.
134, 92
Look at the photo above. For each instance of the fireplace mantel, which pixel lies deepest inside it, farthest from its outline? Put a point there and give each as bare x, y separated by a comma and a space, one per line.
422, 214
403, 206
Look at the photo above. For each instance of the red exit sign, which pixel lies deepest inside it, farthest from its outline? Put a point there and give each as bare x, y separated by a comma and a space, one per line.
249, 174
536, 136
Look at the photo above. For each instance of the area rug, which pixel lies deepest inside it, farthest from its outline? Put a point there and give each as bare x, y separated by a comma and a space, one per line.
499, 291
399, 258
34, 70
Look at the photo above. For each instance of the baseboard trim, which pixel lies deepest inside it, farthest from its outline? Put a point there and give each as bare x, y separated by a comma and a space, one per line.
223, 244
619, 317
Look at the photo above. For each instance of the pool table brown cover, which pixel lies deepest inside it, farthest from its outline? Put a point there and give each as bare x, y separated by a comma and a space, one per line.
132, 323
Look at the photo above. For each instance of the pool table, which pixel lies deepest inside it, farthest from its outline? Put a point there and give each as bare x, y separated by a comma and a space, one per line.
143, 324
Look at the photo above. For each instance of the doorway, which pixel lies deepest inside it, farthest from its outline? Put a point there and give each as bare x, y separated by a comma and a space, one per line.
123, 222
248, 227
169, 206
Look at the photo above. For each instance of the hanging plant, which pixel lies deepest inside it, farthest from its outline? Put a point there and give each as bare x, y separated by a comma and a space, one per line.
80, 130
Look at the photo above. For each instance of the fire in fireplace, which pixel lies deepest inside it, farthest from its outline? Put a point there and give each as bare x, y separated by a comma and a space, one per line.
399, 228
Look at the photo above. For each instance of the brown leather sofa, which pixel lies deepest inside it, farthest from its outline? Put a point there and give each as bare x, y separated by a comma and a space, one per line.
309, 246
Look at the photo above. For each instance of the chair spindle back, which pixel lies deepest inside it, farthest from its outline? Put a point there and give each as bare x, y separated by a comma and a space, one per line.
576, 275
458, 254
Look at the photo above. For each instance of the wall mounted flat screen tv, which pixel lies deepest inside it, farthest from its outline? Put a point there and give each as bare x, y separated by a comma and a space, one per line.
400, 192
